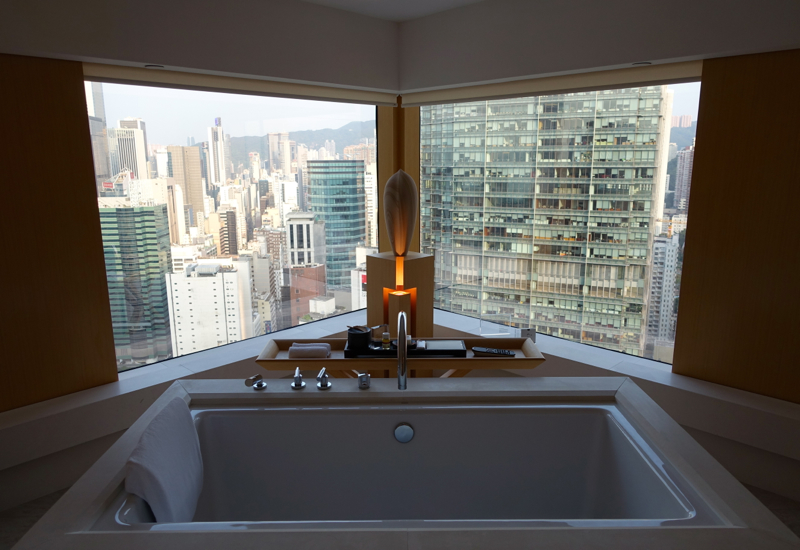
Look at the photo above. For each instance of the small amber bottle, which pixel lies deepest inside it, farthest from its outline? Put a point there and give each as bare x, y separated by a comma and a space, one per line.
386, 342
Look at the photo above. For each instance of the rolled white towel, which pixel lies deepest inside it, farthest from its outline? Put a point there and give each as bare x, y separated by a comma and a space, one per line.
320, 351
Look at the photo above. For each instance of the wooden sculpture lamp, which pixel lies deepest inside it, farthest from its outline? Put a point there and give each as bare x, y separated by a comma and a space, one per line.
400, 209
401, 280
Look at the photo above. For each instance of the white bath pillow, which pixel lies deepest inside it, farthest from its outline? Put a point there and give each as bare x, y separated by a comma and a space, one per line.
166, 468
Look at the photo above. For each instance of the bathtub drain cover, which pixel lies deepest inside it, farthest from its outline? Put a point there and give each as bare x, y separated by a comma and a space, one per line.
404, 433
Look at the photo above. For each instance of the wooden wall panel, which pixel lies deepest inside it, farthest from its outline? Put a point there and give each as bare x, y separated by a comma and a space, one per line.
739, 296
56, 321
398, 148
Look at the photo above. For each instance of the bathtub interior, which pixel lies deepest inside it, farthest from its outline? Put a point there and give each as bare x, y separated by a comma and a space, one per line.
535, 464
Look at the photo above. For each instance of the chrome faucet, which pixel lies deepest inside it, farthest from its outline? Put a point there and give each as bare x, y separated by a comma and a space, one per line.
402, 352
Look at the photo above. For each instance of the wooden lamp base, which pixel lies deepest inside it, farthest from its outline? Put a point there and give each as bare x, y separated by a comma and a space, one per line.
417, 289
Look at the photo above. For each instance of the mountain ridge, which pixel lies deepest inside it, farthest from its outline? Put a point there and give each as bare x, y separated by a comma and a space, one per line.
350, 134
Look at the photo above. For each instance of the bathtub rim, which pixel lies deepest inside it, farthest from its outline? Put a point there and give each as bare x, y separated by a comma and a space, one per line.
68, 523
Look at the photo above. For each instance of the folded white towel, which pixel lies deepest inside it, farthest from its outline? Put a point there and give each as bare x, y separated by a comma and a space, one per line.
311, 345
166, 467
318, 351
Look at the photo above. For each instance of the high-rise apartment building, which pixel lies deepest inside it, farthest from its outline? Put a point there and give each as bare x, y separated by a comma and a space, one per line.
228, 235
682, 121
218, 158
664, 268
306, 238
209, 305
255, 165
540, 211
683, 179
330, 147
336, 194
137, 256
275, 141
128, 151
371, 202
185, 168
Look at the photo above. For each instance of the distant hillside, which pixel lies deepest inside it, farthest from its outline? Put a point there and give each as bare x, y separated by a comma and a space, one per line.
683, 136
349, 134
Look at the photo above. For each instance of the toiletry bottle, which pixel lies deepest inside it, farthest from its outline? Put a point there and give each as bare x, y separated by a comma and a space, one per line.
386, 343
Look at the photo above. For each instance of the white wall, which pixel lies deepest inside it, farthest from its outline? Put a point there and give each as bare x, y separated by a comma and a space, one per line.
487, 41
283, 39
507, 39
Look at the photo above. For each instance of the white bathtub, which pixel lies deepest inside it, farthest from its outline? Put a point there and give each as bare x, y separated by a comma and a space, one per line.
552, 460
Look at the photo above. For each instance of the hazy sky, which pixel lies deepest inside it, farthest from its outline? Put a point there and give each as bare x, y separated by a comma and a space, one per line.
686, 99
174, 115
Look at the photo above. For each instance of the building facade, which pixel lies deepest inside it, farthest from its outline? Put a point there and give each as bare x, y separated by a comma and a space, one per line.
128, 152
540, 211
218, 154
683, 179
305, 283
336, 194
661, 314
209, 305
306, 239
137, 256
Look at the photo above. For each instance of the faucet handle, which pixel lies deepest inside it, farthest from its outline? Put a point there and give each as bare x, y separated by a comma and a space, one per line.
298, 383
256, 382
322, 380
363, 381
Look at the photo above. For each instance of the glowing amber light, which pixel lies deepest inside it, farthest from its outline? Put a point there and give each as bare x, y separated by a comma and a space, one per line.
398, 273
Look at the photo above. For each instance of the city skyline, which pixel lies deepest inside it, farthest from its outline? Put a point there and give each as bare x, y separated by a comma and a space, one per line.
542, 211
195, 111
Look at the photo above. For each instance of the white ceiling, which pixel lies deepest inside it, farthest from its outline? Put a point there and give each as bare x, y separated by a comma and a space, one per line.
394, 10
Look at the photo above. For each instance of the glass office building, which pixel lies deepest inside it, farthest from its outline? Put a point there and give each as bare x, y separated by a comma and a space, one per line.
137, 255
541, 211
336, 194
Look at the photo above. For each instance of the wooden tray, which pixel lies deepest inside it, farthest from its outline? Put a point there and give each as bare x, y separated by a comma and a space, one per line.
527, 356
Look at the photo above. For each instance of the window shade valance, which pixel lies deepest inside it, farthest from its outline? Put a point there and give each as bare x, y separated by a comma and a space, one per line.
648, 75
233, 85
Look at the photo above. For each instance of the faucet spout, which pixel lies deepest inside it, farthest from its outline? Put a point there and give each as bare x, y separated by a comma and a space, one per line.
402, 352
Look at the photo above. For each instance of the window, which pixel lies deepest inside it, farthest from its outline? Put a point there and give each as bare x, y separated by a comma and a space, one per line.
564, 213
197, 189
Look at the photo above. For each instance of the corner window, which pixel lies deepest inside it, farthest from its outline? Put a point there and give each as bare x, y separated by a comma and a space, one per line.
197, 189
563, 213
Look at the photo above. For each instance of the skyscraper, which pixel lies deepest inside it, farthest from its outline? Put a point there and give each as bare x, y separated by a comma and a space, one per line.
683, 179
276, 149
336, 192
540, 211
136, 124
228, 238
664, 267
137, 255
185, 168
330, 146
128, 151
218, 153
97, 127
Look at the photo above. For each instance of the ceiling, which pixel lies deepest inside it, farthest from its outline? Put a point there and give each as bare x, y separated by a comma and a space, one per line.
394, 10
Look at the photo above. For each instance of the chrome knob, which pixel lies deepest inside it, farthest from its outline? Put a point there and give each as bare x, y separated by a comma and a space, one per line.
298, 383
257, 382
363, 381
322, 380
